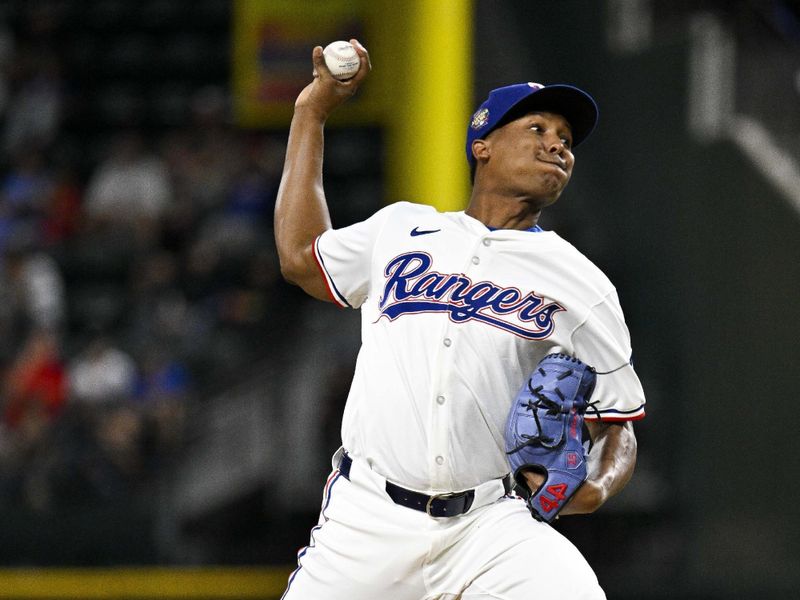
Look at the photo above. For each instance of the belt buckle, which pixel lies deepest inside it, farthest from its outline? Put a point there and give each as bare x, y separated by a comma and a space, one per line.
441, 497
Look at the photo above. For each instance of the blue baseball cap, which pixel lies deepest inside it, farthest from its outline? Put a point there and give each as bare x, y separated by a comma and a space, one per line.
507, 103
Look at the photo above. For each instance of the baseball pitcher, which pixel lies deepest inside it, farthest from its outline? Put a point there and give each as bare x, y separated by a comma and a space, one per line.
493, 390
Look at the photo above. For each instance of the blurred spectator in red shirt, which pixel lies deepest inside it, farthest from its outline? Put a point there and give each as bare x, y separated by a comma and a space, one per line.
35, 386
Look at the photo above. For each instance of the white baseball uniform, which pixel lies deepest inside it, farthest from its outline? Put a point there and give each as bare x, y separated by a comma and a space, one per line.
455, 316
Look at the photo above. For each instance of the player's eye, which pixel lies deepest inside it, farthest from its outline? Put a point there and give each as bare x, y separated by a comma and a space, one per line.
567, 142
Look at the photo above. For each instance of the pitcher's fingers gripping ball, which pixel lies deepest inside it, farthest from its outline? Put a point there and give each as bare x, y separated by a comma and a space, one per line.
341, 59
544, 431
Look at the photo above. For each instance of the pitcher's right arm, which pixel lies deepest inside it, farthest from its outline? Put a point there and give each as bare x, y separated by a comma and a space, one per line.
301, 211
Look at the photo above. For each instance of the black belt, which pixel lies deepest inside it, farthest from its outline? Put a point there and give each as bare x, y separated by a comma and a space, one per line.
438, 505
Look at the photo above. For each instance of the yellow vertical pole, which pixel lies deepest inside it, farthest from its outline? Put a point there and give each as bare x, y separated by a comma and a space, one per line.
431, 54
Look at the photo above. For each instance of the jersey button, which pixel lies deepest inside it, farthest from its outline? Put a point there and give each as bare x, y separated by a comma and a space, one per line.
487, 242
440, 460
475, 260
440, 400
447, 342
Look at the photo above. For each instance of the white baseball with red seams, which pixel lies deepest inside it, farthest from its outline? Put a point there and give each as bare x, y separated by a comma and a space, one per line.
341, 59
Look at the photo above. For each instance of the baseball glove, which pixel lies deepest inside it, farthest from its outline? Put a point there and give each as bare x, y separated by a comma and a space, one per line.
544, 431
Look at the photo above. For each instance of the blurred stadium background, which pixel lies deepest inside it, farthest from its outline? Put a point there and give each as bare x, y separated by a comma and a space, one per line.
169, 405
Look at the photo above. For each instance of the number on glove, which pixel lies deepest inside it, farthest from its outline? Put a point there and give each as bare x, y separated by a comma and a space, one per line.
557, 491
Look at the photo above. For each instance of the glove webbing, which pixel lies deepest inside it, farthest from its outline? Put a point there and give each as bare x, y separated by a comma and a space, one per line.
552, 407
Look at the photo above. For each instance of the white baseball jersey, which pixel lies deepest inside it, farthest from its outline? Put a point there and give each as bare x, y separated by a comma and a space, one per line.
455, 316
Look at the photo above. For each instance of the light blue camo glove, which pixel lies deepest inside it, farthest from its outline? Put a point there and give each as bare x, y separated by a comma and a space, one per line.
544, 431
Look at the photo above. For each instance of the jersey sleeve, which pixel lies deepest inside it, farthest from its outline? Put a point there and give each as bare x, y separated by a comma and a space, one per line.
344, 257
603, 342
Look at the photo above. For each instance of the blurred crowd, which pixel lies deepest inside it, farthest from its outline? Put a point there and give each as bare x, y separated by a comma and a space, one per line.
133, 277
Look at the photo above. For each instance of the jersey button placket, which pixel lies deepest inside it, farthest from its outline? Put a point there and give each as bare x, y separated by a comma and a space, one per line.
441, 418
477, 251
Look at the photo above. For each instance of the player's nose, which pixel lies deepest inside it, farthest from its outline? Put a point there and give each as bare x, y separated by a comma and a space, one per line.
555, 145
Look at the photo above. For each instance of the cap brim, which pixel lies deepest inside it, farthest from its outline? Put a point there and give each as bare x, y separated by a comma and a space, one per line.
575, 105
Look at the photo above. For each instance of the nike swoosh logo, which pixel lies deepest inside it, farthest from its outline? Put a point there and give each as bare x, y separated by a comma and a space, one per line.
416, 231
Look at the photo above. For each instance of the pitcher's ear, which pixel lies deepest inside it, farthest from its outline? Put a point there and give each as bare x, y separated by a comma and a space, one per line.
480, 150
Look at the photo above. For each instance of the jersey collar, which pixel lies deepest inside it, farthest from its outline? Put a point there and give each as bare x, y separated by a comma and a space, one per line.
534, 229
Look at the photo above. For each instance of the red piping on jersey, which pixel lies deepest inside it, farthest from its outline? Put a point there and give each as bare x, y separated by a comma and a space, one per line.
323, 274
638, 417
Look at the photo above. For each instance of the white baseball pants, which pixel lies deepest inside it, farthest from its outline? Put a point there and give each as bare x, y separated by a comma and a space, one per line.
366, 547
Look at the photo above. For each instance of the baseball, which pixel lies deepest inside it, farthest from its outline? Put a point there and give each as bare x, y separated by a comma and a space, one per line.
342, 60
